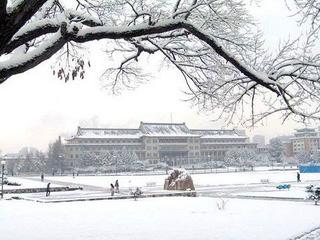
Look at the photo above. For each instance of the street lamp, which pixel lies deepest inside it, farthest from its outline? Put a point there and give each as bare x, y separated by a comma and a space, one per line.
2, 176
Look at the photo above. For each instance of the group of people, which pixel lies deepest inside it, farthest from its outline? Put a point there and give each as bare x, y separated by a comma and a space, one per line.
114, 188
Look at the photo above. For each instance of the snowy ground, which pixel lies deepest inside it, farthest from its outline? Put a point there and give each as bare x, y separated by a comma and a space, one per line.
26, 183
295, 192
165, 218
213, 184
211, 179
168, 218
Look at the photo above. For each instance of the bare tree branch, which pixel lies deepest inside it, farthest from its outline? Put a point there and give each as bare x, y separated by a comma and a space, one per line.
3, 10
215, 44
17, 18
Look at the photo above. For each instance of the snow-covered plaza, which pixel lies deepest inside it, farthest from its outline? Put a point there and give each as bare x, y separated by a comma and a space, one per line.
252, 210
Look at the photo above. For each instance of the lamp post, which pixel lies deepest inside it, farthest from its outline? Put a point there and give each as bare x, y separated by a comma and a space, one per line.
2, 176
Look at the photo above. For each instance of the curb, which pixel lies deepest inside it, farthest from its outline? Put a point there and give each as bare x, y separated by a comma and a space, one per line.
179, 194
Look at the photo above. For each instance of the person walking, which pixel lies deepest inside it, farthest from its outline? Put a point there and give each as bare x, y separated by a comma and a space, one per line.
137, 193
48, 190
112, 189
116, 185
298, 177
42, 177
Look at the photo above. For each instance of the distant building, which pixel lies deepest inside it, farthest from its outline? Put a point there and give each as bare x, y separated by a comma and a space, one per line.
286, 145
306, 140
263, 149
173, 143
260, 140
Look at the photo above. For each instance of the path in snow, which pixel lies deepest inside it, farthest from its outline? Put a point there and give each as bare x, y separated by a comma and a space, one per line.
70, 184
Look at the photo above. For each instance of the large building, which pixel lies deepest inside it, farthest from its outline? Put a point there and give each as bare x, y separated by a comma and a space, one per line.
173, 143
306, 140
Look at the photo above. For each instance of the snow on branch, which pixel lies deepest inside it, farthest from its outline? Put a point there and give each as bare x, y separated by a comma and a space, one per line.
215, 45
32, 31
22, 62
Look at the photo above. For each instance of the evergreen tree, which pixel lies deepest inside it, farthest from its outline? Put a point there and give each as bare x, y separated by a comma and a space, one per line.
56, 159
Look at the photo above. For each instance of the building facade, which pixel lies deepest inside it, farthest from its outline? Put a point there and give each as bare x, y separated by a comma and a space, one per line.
173, 143
260, 140
306, 140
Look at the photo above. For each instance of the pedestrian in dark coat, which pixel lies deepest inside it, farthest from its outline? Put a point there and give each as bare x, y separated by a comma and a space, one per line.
116, 185
298, 177
48, 190
112, 189
42, 177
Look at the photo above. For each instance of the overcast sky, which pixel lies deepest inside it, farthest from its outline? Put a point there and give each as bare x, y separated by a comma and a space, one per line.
36, 107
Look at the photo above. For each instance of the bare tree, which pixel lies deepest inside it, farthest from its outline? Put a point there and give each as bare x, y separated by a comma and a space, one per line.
308, 10
215, 44
276, 151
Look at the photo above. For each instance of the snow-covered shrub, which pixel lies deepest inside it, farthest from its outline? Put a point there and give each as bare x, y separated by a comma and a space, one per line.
221, 203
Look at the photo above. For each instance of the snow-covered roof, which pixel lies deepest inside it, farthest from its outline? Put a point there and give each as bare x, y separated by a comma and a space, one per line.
155, 130
108, 133
219, 133
166, 129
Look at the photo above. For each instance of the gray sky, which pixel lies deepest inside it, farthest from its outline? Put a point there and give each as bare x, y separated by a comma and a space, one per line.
36, 107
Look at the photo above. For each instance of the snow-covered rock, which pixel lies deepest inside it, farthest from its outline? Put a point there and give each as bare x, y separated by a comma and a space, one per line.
179, 179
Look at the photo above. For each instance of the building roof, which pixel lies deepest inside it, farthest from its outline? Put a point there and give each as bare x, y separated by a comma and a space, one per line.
166, 129
155, 130
218, 133
108, 133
